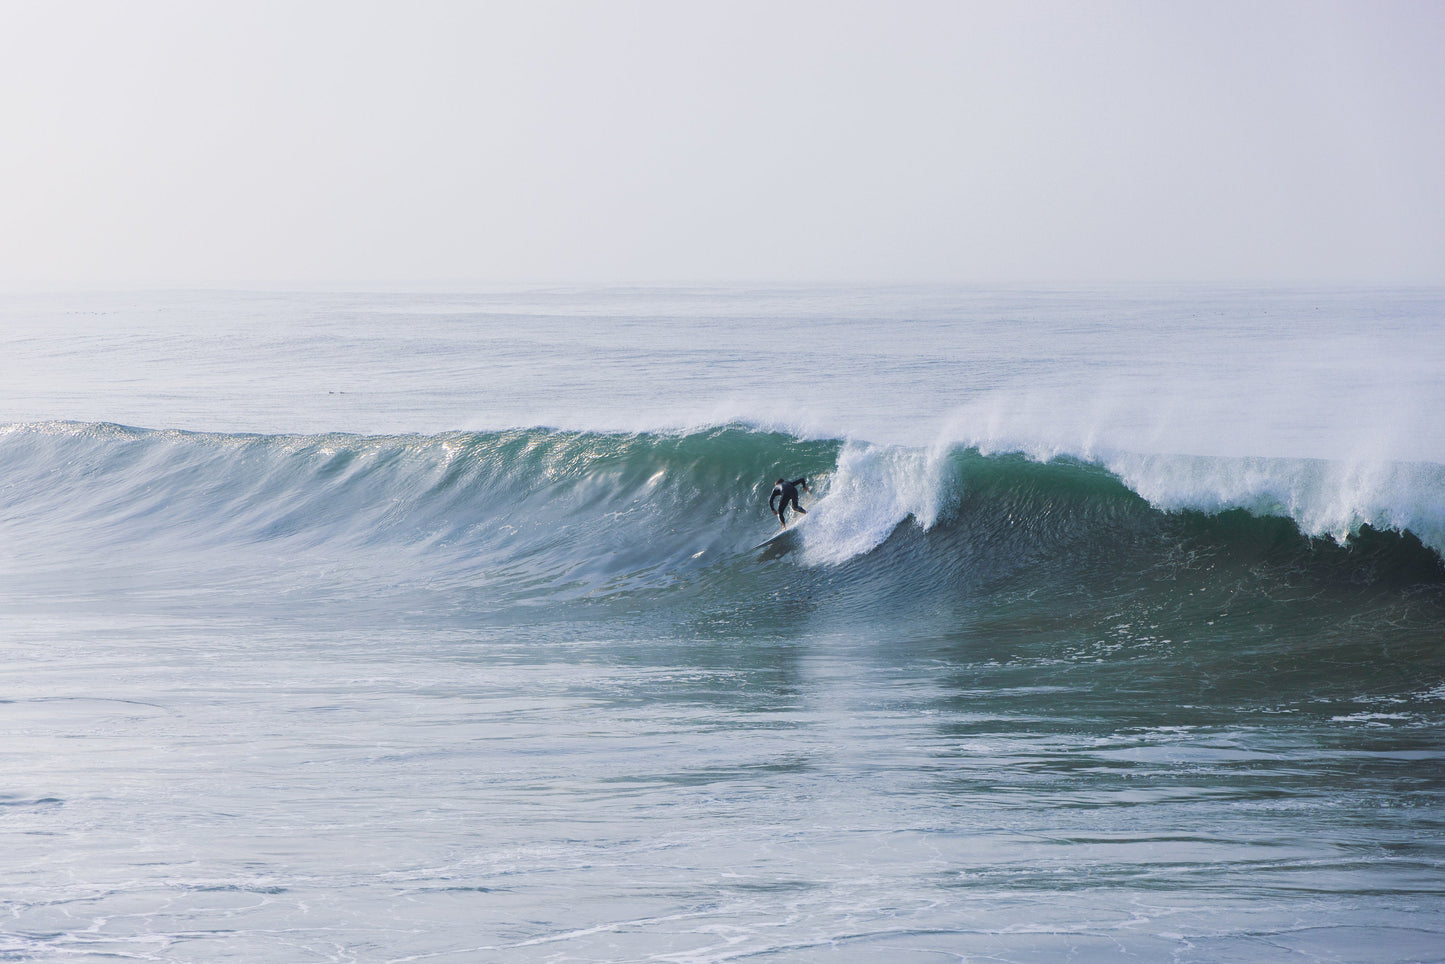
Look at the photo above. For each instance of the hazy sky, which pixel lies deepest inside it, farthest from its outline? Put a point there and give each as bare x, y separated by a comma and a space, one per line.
670, 141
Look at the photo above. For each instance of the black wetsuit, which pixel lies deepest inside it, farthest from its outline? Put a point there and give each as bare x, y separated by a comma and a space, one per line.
789, 493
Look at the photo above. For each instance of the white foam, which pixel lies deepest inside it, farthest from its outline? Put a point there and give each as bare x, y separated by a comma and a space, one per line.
874, 489
1364, 483
1324, 498
877, 487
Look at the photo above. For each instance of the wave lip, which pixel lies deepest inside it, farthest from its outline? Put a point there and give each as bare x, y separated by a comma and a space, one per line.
1337, 500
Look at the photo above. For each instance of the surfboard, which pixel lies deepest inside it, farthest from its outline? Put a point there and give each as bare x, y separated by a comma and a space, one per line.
782, 540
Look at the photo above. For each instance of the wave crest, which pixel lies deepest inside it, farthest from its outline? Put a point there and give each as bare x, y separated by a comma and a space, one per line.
1324, 499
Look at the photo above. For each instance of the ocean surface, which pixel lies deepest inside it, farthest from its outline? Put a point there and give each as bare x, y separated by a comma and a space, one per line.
424, 625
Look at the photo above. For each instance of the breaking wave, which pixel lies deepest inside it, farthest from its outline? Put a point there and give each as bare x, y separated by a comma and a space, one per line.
587, 511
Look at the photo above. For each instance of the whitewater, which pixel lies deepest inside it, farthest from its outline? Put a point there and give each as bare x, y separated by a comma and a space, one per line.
416, 624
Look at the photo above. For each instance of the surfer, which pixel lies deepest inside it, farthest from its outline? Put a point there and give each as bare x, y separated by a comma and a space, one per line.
788, 491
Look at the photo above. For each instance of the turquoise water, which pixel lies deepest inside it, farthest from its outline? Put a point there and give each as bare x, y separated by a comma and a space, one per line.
396, 626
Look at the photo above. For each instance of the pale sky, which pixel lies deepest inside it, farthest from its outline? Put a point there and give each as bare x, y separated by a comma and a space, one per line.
657, 141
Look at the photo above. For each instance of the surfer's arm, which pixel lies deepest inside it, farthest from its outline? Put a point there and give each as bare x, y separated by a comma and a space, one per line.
773, 498
804, 484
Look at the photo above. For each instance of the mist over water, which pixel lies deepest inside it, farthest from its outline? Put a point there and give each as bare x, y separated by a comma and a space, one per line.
1347, 374
382, 626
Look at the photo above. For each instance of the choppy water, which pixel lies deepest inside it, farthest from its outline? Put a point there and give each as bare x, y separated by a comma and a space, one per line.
420, 626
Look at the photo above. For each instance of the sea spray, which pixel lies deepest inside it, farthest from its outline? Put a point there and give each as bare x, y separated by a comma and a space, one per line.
873, 490
1333, 499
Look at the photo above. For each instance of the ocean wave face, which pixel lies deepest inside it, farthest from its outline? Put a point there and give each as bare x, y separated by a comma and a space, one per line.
458, 627
542, 516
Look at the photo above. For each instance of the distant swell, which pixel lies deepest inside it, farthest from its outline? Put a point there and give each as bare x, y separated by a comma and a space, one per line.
551, 514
